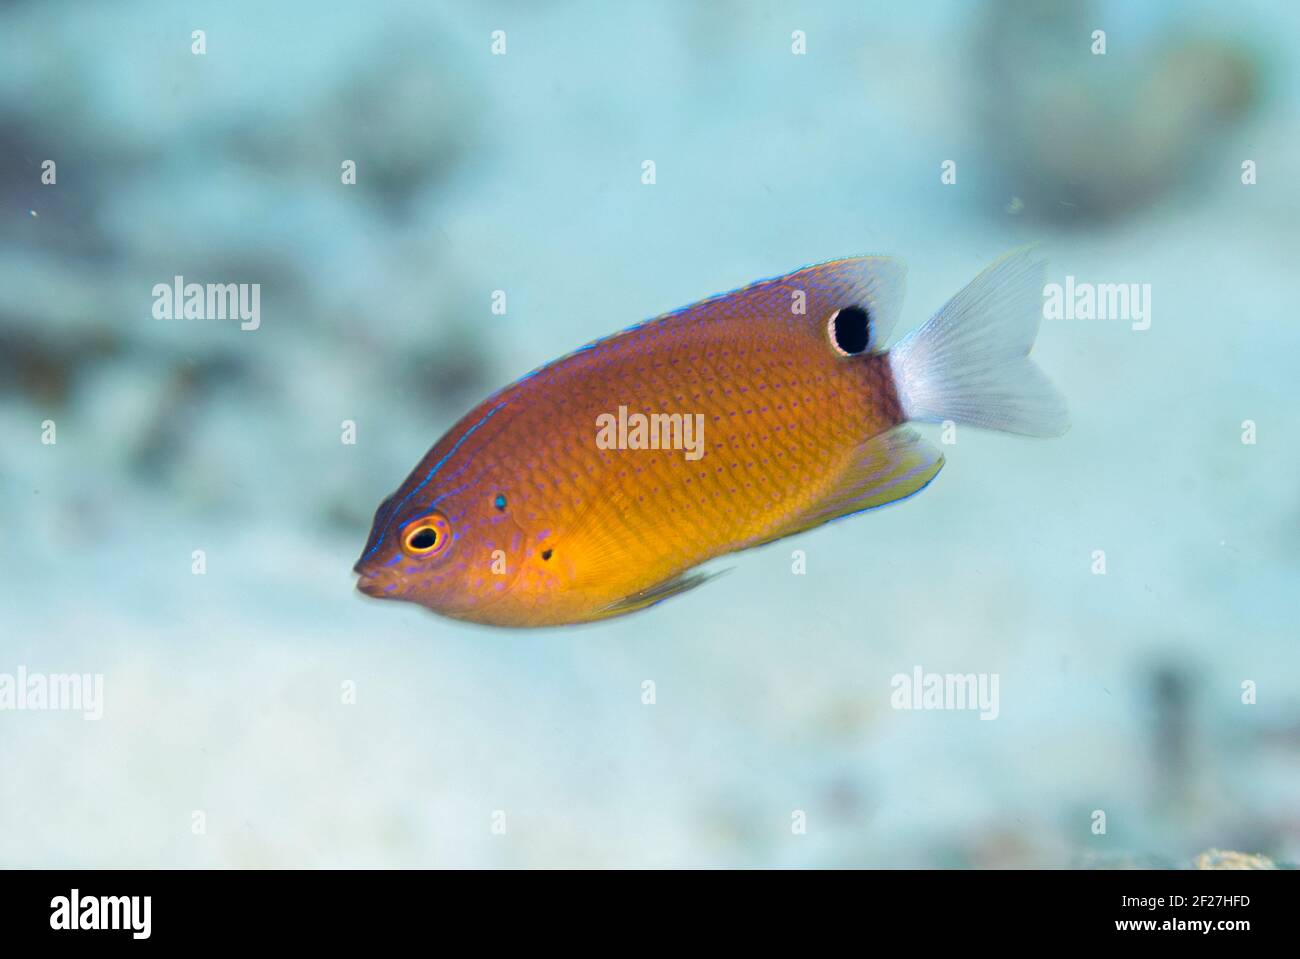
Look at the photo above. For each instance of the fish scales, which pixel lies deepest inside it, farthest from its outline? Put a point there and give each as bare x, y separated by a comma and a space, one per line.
526, 514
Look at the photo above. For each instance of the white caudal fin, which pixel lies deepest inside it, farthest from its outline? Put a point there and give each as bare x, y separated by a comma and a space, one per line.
970, 362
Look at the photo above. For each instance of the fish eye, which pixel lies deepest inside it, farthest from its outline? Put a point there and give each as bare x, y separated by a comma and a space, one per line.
500, 501
426, 535
849, 330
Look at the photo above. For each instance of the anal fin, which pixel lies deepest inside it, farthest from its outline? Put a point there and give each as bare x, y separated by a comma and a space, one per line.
887, 468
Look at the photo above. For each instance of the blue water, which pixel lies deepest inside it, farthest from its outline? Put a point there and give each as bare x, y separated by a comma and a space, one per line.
228, 696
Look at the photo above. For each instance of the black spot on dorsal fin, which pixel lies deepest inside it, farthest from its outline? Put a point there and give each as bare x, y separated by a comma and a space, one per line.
850, 330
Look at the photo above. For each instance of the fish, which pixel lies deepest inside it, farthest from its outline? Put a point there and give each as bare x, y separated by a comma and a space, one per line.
576, 494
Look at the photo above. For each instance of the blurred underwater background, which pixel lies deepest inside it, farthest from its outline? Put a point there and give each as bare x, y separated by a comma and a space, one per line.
265, 714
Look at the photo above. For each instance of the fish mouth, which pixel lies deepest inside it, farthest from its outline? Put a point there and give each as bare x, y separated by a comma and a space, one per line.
380, 584
371, 586
376, 583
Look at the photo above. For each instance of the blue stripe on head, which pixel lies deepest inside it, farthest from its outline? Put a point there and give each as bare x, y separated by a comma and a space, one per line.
428, 511
393, 513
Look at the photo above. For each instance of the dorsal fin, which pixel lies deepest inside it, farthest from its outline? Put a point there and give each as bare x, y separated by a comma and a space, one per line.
875, 283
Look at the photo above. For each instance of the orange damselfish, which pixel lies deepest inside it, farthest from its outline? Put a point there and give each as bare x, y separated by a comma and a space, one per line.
596, 485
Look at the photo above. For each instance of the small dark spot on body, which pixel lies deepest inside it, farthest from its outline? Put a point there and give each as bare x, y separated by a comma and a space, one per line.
546, 553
